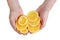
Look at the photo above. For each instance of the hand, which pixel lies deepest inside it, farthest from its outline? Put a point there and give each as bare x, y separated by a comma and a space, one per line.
15, 12
43, 11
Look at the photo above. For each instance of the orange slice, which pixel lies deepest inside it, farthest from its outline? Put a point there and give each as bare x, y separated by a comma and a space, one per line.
24, 31
19, 27
22, 20
32, 16
34, 29
21, 23
35, 23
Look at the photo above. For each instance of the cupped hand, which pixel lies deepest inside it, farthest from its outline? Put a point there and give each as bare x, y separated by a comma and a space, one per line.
43, 11
15, 12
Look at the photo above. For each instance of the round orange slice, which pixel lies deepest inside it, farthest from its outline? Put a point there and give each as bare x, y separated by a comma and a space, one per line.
22, 20
24, 31
32, 16
35, 23
19, 27
34, 29
21, 23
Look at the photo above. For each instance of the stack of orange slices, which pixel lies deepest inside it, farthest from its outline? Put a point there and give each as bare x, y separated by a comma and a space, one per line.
30, 23
22, 24
33, 21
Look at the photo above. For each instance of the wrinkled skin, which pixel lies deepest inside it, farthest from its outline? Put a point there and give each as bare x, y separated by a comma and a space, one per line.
16, 11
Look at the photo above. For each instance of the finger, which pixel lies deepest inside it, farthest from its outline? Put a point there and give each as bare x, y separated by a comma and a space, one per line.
42, 24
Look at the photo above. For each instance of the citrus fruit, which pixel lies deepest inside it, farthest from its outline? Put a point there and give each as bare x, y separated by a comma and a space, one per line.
32, 16
35, 23
34, 29
21, 23
30, 23
22, 20
24, 31
19, 27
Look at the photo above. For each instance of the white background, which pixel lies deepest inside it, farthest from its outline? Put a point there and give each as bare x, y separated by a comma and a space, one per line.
50, 32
